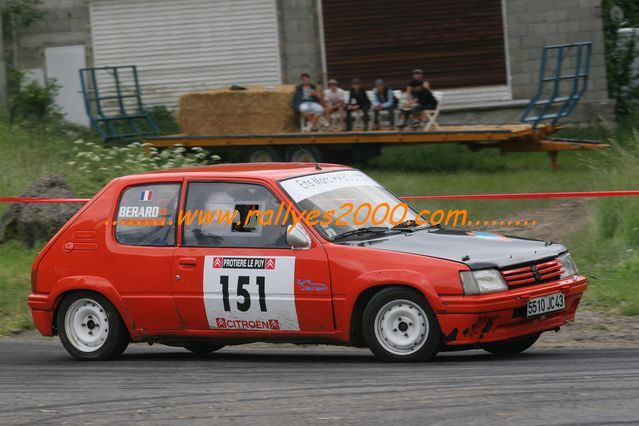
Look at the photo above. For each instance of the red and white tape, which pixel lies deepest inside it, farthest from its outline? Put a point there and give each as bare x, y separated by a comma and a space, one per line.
523, 195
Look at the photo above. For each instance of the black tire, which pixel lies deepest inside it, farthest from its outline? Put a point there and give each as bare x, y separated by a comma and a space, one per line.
306, 153
380, 301
264, 154
117, 336
202, 348
512, 347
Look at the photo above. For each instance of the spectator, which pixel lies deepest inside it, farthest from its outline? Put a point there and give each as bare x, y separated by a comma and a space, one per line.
384, 100
307, 101
334, 98
421, 100
357, 101
418, 78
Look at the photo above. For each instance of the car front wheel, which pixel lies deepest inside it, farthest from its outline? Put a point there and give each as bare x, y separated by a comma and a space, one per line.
400, 326
90, 327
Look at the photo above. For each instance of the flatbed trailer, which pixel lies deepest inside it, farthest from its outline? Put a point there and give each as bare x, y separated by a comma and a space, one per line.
521, 137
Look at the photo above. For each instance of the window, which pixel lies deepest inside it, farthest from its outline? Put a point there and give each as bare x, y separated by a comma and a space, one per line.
146, 215
221, 214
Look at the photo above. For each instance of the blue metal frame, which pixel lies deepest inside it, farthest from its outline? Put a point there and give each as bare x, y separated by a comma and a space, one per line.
538, 109
104, 124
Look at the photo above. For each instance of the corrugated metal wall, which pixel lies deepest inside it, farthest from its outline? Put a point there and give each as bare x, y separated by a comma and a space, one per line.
458, 43
186, 45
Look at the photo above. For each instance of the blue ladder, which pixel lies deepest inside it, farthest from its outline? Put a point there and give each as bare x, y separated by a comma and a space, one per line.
563, 104
122, 123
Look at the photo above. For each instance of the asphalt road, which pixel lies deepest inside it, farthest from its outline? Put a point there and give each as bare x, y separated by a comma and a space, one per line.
288, 385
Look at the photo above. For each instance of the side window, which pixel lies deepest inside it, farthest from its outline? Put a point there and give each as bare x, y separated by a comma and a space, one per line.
146, 215
221, 214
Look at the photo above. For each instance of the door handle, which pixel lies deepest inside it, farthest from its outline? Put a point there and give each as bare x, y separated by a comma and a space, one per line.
187, 261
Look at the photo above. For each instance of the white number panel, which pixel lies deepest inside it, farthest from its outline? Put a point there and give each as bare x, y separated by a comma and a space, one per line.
250, 293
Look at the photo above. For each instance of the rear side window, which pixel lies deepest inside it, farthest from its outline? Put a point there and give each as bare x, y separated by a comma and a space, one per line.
146, 215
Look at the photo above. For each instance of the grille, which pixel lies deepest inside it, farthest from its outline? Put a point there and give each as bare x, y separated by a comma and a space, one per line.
533, 274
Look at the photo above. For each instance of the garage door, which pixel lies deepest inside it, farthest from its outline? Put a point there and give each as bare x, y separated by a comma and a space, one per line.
187, 45
458, 43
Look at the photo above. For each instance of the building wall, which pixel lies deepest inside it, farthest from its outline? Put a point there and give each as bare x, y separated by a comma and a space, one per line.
529, 26
533, 24
299, 40
66, 22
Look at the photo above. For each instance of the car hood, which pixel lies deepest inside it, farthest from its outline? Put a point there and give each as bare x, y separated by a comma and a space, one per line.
478, 250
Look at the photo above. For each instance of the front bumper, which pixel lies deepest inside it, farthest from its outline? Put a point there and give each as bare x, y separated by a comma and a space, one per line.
41, 313
472, 320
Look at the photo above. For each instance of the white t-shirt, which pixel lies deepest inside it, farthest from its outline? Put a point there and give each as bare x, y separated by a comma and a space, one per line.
334, 97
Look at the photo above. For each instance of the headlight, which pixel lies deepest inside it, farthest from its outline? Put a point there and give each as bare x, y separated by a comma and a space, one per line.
570, 267
479, 282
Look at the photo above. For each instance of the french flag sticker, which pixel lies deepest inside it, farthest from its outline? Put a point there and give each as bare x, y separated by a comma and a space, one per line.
146, 195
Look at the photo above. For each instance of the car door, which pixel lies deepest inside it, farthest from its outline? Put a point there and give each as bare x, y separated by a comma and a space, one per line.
138, 261
231, 272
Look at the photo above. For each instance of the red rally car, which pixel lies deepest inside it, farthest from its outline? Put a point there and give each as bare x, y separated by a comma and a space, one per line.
128, 267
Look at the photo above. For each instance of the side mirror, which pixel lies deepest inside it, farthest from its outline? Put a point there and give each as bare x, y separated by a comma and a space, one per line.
297, 238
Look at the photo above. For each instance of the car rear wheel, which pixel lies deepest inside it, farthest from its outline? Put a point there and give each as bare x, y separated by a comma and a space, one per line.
512, 347
202, 348
90, 327
400, 326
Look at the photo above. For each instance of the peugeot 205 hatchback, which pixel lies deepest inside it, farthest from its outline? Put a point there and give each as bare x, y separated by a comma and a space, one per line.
141, 263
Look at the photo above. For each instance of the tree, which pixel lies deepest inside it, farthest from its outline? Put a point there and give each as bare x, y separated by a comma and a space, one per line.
622, 54
17, 14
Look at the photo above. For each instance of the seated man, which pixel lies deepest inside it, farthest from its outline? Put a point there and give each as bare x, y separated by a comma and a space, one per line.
421, 100
384, 100
307, 101
358, 101
334, 101
417, 78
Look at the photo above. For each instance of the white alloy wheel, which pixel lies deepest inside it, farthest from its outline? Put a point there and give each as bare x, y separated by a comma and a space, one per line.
86, 325
401, 327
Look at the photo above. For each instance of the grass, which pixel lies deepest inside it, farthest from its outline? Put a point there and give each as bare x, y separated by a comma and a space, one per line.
483, 172
15, 276
608, 249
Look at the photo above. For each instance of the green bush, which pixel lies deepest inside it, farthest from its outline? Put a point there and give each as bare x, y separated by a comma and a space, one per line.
30, 100
164, 119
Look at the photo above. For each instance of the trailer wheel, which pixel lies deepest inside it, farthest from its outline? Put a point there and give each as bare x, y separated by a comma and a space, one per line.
304, 154
263, 154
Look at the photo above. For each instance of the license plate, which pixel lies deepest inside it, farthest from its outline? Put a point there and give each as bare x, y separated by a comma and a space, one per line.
545, 304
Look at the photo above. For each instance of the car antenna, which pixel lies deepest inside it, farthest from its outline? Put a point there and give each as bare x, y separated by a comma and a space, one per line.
317, 165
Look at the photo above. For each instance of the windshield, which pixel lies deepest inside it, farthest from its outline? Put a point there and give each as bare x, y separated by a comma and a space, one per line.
346, 201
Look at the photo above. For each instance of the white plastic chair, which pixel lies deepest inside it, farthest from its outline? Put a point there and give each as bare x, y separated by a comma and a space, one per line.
305, 125
433, 114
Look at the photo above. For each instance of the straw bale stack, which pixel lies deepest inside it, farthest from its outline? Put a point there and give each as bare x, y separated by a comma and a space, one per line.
258, 109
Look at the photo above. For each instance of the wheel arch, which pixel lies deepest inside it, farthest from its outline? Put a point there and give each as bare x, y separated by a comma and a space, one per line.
369, 284
98, 285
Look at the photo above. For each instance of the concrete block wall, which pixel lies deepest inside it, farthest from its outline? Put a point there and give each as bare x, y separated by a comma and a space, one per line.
299, 40
532, 24
65, 23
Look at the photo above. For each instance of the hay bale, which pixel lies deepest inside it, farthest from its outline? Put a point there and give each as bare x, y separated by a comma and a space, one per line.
223, 111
